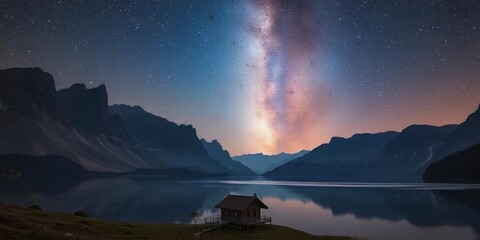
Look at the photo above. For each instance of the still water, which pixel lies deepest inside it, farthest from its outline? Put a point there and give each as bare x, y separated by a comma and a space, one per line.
375, 211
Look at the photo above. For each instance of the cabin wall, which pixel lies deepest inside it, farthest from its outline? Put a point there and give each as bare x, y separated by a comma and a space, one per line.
231, 215
252, 212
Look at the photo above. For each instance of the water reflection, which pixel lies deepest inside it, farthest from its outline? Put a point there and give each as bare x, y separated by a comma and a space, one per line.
378, 213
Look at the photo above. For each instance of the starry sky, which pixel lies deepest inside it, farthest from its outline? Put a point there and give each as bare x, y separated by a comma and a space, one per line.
261, 76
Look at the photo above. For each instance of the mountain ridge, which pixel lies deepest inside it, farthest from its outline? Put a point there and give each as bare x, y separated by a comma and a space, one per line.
216, 151
404, 156
460, 167
76, 123
260, 163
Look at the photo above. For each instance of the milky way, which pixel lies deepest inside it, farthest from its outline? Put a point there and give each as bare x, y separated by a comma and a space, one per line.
261, 76
290, 98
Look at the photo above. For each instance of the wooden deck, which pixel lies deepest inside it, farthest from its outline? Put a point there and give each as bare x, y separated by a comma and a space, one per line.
214, 222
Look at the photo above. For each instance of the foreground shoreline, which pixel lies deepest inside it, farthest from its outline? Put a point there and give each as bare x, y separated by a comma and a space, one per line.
24, 223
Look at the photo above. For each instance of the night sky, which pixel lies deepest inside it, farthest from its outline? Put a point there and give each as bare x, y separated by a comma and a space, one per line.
261, 76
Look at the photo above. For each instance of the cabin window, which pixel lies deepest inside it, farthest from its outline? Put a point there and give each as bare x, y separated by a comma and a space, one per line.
254, 212
226, 212
248, 213
235, 213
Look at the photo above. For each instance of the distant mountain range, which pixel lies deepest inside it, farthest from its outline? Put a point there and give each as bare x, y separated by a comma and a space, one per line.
216, 151
388, 156
76, 129
261, 163
77, 124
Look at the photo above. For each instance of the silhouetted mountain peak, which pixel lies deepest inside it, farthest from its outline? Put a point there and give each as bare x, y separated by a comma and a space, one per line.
158, 132
358, 142
419, 137
135, 108
89, 135
420, 128
467, 134
78, 86
369, 135
336, 139
216, 152
136, 111
214, 145
29, 91
86, 109
101, 89
474, 117
190, 127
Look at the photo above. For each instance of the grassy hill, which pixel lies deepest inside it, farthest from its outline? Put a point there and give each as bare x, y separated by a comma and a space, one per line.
22, 223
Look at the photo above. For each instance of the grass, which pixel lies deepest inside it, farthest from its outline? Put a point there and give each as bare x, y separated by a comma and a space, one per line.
265, 232
22, 223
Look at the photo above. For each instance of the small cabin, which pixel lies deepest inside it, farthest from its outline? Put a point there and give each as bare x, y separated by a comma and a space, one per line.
243, 210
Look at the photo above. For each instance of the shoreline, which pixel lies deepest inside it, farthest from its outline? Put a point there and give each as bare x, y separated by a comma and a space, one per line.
25, 223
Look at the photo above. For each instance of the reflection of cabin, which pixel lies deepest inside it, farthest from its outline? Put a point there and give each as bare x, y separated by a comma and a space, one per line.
242, 210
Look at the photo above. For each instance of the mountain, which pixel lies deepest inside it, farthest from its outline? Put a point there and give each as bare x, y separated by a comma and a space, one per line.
339, 159
75, 123
32, 122
216, 151
412, 150
388, 156
359, 148
50, 166
169, 145
86, 109
50, 173
261, 163
458, 158
466, 135
419, 137
28, 91
461, 167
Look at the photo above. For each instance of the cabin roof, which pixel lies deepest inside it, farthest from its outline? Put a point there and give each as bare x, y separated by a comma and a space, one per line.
239, 202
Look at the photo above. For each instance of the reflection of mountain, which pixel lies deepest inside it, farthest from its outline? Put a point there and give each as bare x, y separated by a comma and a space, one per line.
24, 173
422, 208
141, 200
153, 200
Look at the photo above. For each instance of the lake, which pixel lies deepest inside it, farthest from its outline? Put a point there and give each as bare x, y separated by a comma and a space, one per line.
375, 211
